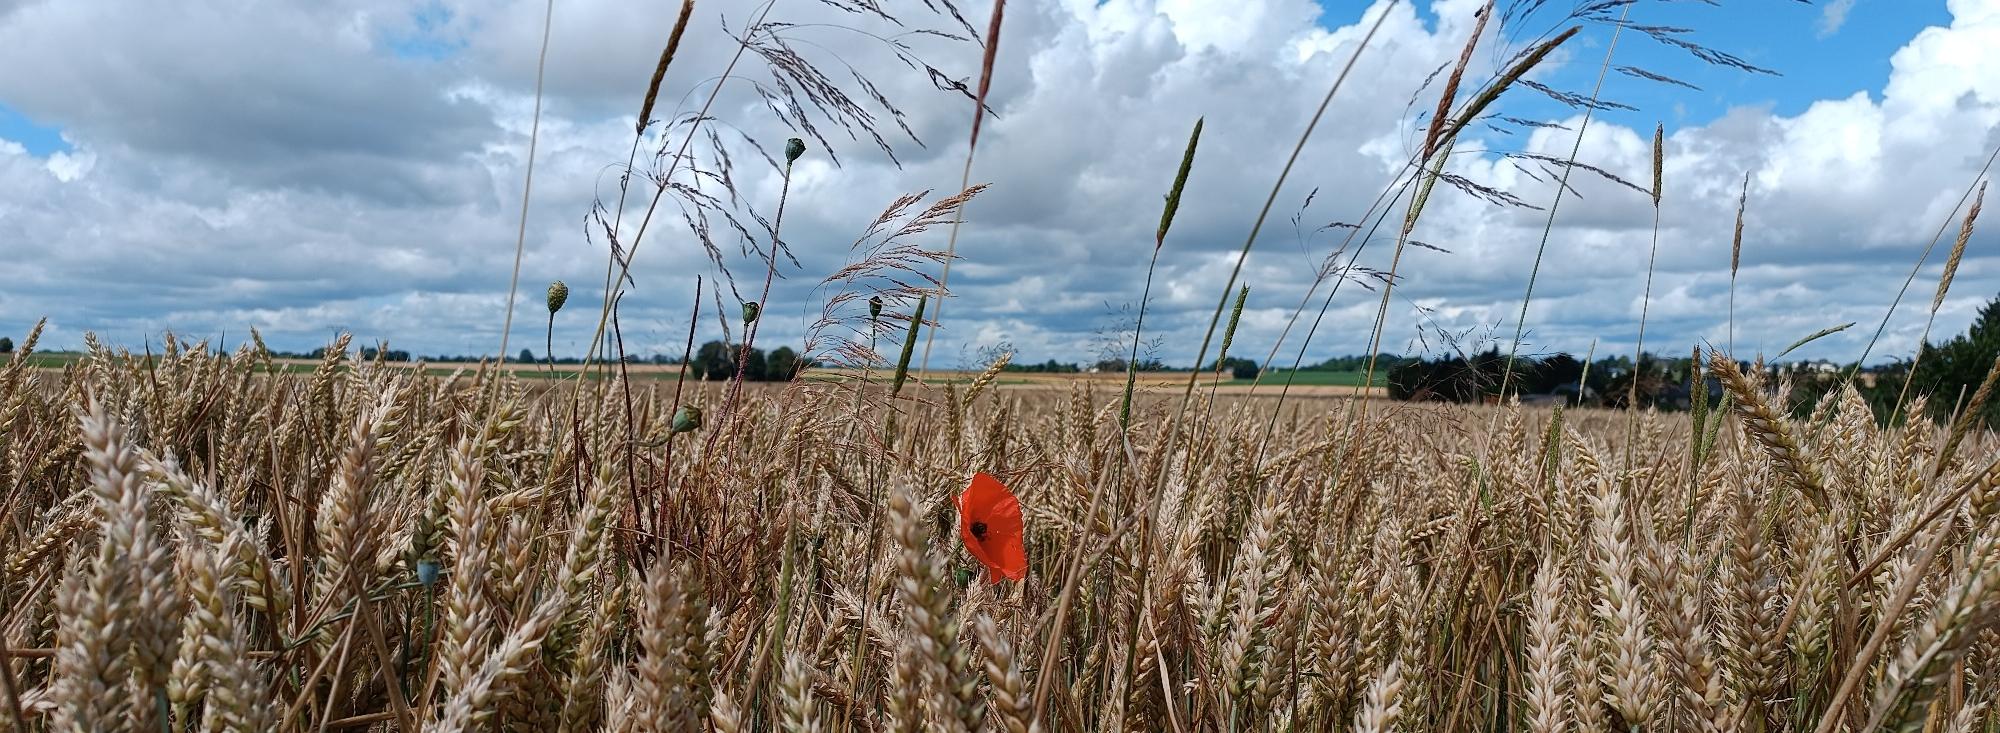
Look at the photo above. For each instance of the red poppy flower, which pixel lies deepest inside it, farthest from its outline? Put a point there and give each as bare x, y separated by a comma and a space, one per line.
989, 519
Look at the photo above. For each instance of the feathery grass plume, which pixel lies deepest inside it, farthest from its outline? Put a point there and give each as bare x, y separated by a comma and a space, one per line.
986, 66
660, 69
1450, 93
1645, 297
1770, 431
1958, 249
1529, 60
1396, 259
1569, 165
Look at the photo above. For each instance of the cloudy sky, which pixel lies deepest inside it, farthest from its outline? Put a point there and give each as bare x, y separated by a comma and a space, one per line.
209, 166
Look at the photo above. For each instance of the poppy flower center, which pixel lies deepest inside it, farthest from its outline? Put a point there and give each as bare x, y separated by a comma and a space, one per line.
979, 530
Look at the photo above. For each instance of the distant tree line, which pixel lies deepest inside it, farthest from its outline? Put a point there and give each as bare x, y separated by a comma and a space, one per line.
1560, 377
714, 360
718, 361
1946, 374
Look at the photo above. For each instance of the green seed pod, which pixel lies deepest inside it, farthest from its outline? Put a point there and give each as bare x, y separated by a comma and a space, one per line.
750, 311
875, 307
558, 295
793, 149
687, 419
909, 346
427, 572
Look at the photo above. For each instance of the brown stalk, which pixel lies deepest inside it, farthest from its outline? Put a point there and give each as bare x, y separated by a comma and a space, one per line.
660, 70
965, 174
1450, 93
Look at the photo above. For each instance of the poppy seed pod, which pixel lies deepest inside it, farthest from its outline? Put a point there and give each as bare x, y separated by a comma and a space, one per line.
558, 295
793, 149
687, 419
875, 307
427, 572
750, 311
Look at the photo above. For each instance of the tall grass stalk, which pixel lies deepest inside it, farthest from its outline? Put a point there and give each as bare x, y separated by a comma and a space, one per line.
992, 52
527, 181
1645, 298
1555, 204
1159, 242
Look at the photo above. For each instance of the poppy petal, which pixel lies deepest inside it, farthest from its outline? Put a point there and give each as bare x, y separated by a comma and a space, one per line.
1000, 550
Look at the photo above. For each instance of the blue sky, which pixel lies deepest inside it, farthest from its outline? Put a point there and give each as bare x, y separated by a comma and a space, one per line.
355, 164
39, 139
1783, 35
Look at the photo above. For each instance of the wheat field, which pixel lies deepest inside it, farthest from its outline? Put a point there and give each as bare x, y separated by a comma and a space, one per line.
192, 543
200, 539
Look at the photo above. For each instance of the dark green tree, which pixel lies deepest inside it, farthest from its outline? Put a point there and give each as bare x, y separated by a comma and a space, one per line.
1238, 368
1950, 371
715, 361
527, 356
783, 364
755, 368
1553, 373
6, 345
